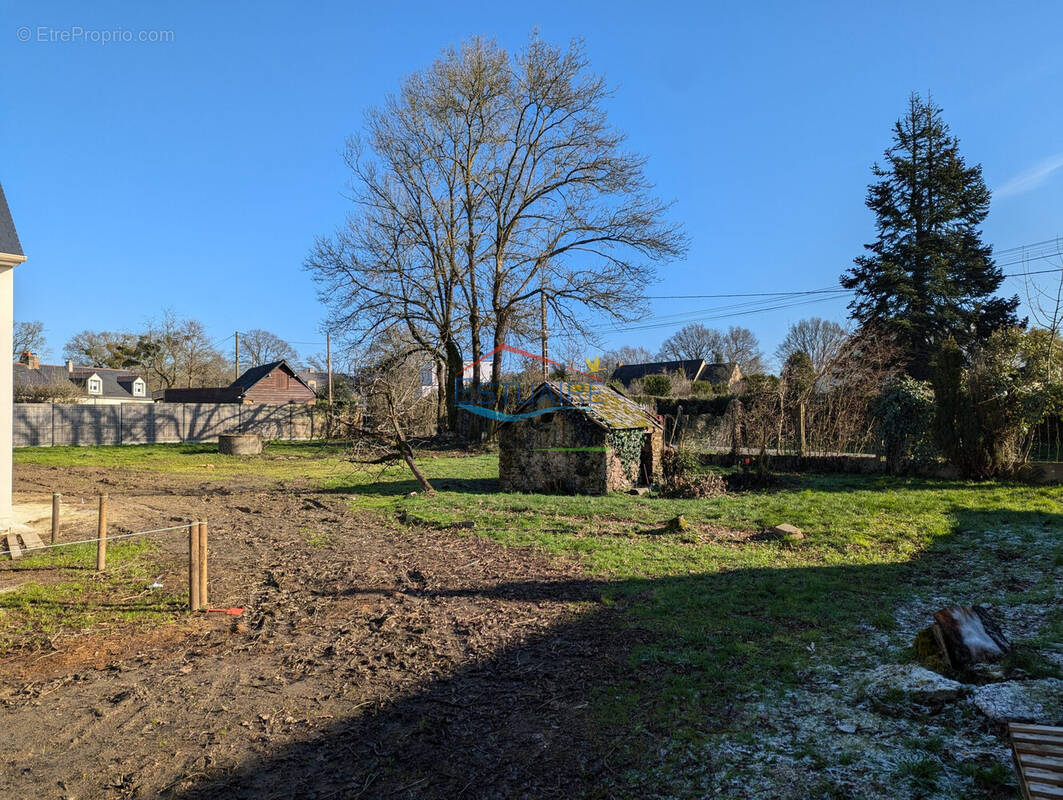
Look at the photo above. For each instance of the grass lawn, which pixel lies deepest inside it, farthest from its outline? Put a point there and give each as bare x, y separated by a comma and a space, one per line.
82, 600
734, 630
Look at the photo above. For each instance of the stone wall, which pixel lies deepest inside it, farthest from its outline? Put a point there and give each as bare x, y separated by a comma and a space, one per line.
535, 455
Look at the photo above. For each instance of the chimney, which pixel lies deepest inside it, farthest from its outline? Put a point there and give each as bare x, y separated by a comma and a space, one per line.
29, 359
70, 366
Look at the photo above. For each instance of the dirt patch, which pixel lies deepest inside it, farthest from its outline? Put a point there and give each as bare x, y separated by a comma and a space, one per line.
371, 660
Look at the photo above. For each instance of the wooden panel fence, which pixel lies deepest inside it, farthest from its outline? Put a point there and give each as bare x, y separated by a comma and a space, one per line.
55, 424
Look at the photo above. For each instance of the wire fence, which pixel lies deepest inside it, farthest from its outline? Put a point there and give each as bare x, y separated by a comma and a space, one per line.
1047, 445
27, 543
108, 538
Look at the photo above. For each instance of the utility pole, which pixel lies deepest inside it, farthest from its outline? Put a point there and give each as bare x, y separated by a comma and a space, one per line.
328, 364
237, 355
542, 312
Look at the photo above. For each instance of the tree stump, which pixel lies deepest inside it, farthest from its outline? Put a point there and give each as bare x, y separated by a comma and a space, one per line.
961, 637
240, 444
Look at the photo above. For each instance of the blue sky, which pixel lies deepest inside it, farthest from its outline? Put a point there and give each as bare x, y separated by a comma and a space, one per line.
194, 174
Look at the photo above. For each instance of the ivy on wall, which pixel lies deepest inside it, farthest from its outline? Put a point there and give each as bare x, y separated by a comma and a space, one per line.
627, 444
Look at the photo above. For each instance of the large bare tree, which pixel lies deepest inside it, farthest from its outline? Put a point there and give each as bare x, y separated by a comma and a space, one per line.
178, 352
262, 347
99, 348
488, 193
572, 220
692, 342
29, 336
740, 346
822, 340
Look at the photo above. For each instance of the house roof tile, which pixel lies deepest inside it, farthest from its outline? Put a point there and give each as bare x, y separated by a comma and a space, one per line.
9, 242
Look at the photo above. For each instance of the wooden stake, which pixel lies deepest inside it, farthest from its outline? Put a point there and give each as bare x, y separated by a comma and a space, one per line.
203, 601
101, 535
56, 497
193, 567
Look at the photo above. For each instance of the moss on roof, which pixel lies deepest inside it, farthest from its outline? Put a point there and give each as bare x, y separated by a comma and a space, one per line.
602, 403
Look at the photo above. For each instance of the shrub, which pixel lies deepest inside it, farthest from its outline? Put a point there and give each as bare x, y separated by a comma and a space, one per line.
904, 423
703, 388
54, 391
1008, 398
657, 385
683, 478
986, 412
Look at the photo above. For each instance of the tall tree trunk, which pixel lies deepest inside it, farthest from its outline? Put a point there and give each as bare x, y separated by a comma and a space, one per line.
441, 403
453, 376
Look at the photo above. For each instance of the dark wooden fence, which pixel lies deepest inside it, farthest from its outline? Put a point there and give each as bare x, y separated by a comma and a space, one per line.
55, 424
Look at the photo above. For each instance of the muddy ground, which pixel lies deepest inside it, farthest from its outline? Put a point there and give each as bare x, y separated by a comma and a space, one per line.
371, 661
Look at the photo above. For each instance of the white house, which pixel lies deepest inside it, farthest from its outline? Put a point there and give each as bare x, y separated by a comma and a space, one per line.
10, 256
430, 385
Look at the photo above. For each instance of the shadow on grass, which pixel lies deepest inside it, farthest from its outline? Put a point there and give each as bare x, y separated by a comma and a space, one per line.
584, 709
395, 488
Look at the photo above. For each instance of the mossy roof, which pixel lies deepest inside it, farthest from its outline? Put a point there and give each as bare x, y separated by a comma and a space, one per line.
601, 403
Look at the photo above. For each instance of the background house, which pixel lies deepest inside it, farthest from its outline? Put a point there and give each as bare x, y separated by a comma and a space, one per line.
430, 383
276, 383
37, 382
721, 375
343, 385
592, 444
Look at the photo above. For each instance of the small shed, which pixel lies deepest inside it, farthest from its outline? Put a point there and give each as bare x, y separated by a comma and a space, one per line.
579, 439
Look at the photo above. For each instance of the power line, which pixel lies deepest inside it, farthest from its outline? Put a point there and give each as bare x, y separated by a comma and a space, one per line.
1036, 251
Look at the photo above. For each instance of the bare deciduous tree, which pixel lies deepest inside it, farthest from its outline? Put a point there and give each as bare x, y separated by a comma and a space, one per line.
262, 347
178, 352
490, 191
1044, 298
692, 342
572, 221
392, 389
29, 336
821, 339
625, 354
740, 346
737, 345
99, 348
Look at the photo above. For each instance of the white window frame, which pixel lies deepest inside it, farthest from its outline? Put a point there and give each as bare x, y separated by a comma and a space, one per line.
140, 389
94, 385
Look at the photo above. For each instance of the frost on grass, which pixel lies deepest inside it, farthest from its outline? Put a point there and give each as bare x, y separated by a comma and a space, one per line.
832, 737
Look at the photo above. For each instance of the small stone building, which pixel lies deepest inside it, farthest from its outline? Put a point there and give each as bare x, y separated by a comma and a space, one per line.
596, 441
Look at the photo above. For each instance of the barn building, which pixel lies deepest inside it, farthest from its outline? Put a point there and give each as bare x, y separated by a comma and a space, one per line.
275, 383
594, 441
